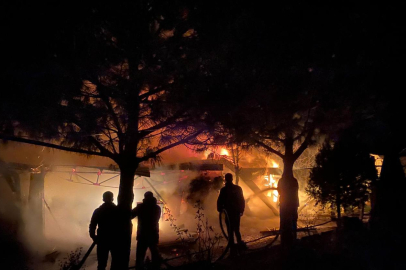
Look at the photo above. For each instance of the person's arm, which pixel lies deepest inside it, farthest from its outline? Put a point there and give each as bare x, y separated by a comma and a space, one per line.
134, 212
93, 224
220, 201
157, 214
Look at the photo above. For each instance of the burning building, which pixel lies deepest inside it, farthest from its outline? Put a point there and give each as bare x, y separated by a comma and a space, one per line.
57, 199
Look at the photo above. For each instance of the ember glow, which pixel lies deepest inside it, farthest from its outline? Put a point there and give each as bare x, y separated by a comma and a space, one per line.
224, 152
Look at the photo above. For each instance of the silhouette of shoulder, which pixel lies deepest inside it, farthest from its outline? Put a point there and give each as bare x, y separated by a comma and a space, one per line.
105, 218
146, 209
233, 188
105, 210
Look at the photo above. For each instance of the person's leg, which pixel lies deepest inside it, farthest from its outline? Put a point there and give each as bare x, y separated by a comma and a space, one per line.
114, 253
140, 254
236, 227
241, 245
230, 230
155, 257
102, 255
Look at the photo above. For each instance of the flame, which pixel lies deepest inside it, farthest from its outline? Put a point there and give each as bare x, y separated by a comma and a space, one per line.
378, 163
206, 154
224, 152
274, 164
271, 182
275, 196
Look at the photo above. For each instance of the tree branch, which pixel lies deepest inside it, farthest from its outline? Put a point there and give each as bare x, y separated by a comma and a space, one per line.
273, 138
102, 149
303, 146
182, 141
149, 93
55, 146
269, 149
111, 142
162, 124
106, 101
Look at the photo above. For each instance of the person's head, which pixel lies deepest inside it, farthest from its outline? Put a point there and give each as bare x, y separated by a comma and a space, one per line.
229, 178
108, 196
149, 198
148, 195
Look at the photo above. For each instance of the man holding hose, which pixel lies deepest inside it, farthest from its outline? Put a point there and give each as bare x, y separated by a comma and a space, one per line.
105, 219
231, 199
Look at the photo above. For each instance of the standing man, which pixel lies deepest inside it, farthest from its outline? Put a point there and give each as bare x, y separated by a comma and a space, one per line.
231, 199
105, 218
148, 213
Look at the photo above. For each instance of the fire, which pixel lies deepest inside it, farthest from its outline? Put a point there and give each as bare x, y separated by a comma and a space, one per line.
272, 163
378, 163
271, 183
224, 152
206, 154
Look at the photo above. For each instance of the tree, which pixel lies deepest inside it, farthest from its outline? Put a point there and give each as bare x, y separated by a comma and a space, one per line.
114, 81
274, 91
292, 72
383, 135
342, 177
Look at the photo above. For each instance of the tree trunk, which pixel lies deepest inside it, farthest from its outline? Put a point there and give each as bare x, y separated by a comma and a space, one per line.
362, 212
338, 205
236, 161
237, 174
389, 195
125, 200
289, 202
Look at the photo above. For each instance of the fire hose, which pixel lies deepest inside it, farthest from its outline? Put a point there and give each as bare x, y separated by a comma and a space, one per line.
81, 263
85, 257
226, 235
221, 222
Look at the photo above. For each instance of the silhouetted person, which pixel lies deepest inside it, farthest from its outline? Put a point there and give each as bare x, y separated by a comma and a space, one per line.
231, 199
148, 213
105, 218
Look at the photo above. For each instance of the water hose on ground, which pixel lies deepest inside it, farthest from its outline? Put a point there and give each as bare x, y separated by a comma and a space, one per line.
221, 223
224, 233
86, 255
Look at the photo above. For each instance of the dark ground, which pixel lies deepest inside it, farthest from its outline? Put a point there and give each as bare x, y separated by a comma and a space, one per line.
353, 247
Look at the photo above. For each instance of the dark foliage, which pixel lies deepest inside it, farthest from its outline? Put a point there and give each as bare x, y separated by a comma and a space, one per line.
71, 261
343, 174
